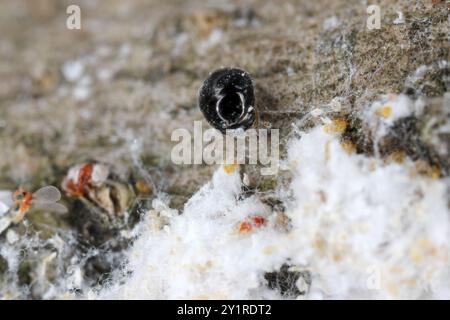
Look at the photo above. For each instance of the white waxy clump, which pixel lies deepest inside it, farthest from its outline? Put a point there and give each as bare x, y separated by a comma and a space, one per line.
361, 227
72, 70
100, 173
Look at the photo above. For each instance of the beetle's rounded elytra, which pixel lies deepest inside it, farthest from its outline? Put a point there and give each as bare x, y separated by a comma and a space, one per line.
227, 99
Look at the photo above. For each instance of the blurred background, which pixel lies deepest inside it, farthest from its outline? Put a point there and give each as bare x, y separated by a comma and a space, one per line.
134, 68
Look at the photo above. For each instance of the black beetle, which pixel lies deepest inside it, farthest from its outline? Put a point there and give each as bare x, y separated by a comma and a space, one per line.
227, 99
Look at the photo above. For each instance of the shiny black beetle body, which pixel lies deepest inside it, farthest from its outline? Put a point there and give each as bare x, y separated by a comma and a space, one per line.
227, 99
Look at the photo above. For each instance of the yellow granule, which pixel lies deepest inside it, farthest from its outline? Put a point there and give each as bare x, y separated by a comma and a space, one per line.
435, 172
384, 112
424, 168
230, 168
337, 126
348, 146
397, 157
269, 250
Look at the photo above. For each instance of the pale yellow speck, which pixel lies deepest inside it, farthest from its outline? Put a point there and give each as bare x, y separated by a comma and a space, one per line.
320, 245
396, 269
230, 168
384, 112
337, 126
68, 296
269, 250
337, 257
392, 289
397, 157
416, 255
409, 282
424, 168
435, 172
348, 146
204, 267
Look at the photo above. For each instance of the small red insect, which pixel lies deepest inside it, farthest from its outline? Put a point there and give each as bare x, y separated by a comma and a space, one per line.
82, 177
45, 198
251, 222
78, 179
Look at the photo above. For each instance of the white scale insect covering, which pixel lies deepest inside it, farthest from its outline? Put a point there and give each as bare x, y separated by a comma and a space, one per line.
367, 229
363, 228
5, 204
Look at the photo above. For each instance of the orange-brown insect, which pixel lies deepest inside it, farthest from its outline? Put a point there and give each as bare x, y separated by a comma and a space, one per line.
45, 198
78, 179
81, 177
251, 222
